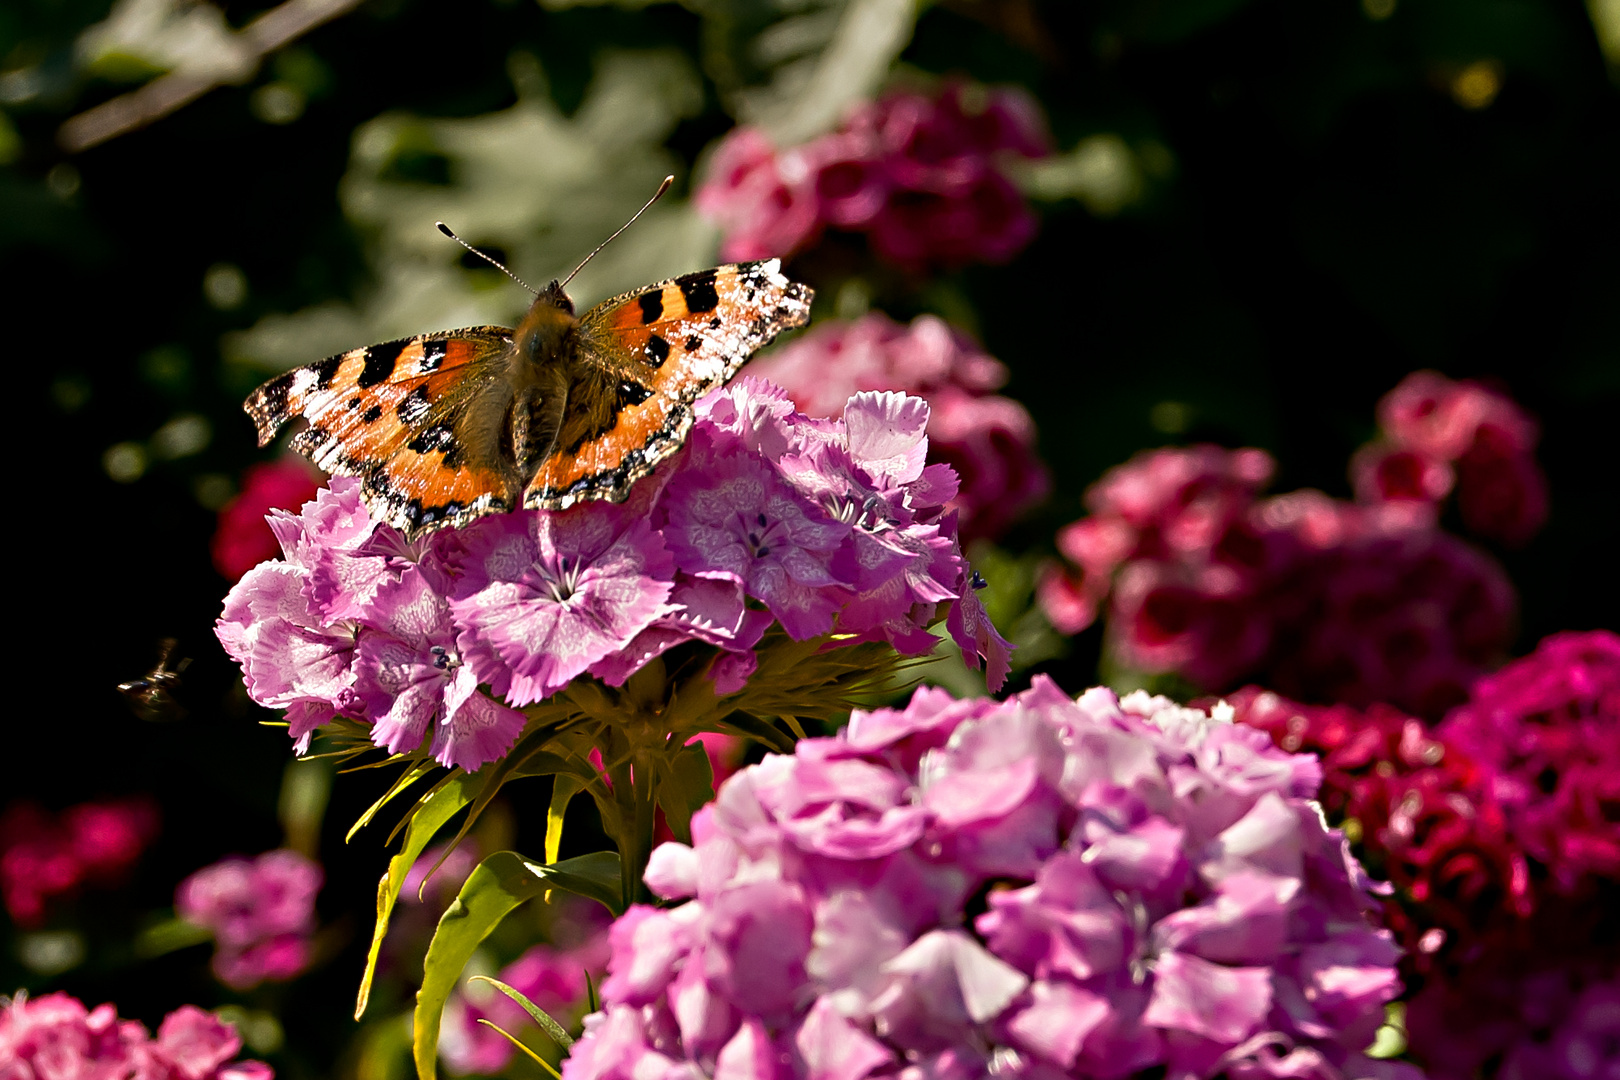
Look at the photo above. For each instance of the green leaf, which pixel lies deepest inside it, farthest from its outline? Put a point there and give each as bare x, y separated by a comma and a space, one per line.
563, 790
430, 815
496, 886
755, 728
515, 1041
557, 1033
685, 784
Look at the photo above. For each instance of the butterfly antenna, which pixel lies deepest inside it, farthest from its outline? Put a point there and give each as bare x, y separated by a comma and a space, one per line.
446, 230
665, 186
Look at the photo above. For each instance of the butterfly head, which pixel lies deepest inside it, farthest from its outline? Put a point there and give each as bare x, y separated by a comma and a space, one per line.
550, 318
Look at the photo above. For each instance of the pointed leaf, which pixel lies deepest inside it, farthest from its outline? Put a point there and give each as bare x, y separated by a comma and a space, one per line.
563, 790
515, 1041
555, 1031
430, 815
496, 886
764, 731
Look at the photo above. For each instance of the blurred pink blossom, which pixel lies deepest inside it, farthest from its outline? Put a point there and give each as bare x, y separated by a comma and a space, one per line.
45, 856
261, 912
1320, 599
917, 173
242, 538
1439, 436
56, 1038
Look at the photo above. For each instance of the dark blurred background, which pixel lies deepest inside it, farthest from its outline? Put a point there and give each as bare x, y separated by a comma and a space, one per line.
1298, 204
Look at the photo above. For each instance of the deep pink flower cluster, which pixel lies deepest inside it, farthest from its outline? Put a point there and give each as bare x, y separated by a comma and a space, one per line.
1318, 598
261, 912
987, 438
44, 856
916, 173
1042, 887
1438, 436
555, 976
1424, 812
1499, 828
767, 516
1549, 727
242, 539
55, 1037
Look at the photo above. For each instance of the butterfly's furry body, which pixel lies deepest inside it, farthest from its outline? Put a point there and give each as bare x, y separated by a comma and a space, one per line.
445, 427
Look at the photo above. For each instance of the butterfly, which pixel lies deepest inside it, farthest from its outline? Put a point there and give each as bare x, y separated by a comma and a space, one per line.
445, 427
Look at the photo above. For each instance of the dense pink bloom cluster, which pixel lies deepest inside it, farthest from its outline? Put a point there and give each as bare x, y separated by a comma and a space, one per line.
987, 438
242, 539
555, 976
1437, 436
916, 173
44, 855
1549, 727
261, 912
1424, 812
55, 1038
1499, 829
767, 516
1318, 598
1042, 887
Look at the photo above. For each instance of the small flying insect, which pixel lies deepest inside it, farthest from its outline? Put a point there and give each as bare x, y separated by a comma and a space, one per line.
152, 696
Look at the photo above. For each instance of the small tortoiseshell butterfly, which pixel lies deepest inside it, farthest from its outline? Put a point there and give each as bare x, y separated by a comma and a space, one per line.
445, 427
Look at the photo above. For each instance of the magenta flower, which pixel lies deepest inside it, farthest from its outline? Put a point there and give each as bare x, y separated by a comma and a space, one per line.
733, 518
769, 517
987, 439
1549, 725
1164, 896
56, 1036
45, 856
242, 540
261, 912
411, 677
1438, 436
1317, 598
917, 173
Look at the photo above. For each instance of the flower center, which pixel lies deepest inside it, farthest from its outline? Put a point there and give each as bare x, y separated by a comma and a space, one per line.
444, 659
565, 583
759, 535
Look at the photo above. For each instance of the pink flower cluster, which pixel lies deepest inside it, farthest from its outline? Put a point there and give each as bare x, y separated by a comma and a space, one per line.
261, 912
987, 438
1549, 728
767, 516
1499, 829
44, 856
553, 976
1423, 812
916, 173
1042, 887
242, 539
1318, 598
55, 1037
1438, 436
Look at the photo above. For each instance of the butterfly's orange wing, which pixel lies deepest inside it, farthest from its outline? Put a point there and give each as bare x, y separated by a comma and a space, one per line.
386, 414
642, 359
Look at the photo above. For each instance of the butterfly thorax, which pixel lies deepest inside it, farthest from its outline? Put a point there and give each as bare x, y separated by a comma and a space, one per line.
511, 426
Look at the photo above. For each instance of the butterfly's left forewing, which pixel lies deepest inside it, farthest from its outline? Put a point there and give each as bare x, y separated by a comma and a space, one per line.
387, 414
643, 358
